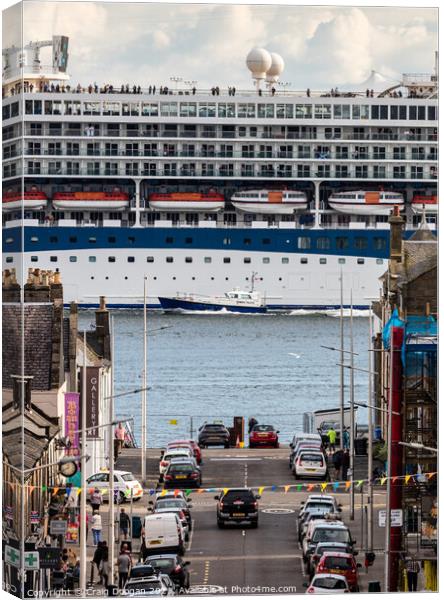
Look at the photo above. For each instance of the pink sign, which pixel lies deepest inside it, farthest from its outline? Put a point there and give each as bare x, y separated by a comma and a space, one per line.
72, 421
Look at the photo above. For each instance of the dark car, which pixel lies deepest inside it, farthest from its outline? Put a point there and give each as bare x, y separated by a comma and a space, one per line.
174, 504
264, 435
237, 506
142, 570
172, 565
213, 434
182, 474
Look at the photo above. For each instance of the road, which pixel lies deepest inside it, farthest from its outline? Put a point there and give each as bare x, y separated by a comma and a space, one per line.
241, 560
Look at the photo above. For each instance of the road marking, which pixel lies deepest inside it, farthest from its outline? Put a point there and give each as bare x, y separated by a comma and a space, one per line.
235, 458
256, 557
206, 571
245, 475
243, 532
190, 541
278, 511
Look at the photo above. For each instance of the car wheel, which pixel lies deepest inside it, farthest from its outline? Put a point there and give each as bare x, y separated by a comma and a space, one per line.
254, 524
220, 524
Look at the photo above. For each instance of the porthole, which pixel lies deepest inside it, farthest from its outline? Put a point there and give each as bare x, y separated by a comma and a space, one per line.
126, 277
266, 260
107, 277
188, 259
150, 259
9, 259
92, 259
169, 259
53, 258
53, 239
111, 259
131, 259
247, 260
304, 261
72, 239
34, 239
212, 279
154, 278
280, 279
174, 279
341, 261
227, 260
34, 258
92, 276
92, 240
285, 260
226, 278
207, 259
193, 278
322, 261
361, 261
9, 240
73, 259
379, 261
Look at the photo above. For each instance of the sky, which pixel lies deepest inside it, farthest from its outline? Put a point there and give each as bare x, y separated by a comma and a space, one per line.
147, 43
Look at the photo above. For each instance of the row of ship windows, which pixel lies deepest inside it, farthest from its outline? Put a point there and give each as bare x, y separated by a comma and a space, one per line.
303, 242
207, 259
246, 110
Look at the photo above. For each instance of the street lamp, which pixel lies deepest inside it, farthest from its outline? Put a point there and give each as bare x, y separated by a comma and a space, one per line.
176, 80
418, 446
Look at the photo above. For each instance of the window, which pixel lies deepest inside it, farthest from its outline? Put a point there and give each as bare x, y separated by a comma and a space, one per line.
227, 260
9, 259
92, 240
188, 240
341, 261
379, 261
73, 239
322, 261
266, 260
207, 259
379, 243
131, 259
73, 259
169, 240
92, 259
266, 241
304, 261
285, 260
323, 243
265, 111
34, 258
111, 259
227, 241
169, 259
304, 243
247, 260
361, 243
188, 259
150, 259
360, 261
341, 243
111, 239
247, 241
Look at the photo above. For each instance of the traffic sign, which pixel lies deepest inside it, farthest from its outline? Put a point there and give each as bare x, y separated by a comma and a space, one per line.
32, 561
395, 520
12, 556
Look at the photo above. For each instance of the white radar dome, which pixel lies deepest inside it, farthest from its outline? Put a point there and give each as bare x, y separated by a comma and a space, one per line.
276, 67
259, 61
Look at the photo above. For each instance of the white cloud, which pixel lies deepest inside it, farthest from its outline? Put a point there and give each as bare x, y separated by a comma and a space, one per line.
161, 39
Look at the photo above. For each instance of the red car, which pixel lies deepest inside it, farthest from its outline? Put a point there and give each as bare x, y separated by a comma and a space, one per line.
264, 435
188, 444
340, 563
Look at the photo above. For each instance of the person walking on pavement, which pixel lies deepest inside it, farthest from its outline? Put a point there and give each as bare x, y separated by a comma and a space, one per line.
96, 561
346, 439
96, 527
331, 434
124, 564
124, 523
412, 567
103, 567
251, 423
337, 463
95, 499
345, 464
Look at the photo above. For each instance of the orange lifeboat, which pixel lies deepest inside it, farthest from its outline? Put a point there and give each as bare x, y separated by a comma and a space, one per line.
115, 200
187, 201
33, 199
428, 204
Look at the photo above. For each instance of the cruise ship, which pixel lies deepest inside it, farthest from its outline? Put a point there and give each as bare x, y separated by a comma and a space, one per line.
193, 189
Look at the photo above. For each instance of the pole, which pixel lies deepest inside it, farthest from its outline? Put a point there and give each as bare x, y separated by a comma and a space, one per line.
352, 414
144, 394
389, 473
370, 433
82, 579
341, 372
362, 517
111, 466
191, 427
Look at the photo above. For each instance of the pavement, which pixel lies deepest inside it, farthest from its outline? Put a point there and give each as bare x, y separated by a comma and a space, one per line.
240, 560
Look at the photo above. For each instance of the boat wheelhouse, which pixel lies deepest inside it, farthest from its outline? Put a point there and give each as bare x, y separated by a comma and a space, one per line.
364, 202
187, 201
284, 202
33, 199
115, 200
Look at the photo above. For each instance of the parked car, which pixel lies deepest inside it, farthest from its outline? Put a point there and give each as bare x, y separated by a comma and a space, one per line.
188, 443
304, 445
313, 437
182, 473
340, 563
324, 530
327, 584
263, 435
327, 547
309, 516
169, 454
173, 566
162, 533
310, 463
124, 482
238, 505
156, 585
172, 502
318, 500
214, 434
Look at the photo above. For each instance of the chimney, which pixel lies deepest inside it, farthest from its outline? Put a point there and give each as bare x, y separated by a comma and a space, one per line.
10, 287
396, 229
56, 287
37, 287
103, 330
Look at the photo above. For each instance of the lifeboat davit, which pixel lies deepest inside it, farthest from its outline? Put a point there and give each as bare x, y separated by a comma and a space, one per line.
366, 203
33, 199
270, 202
187, 201
428, 204
115, 200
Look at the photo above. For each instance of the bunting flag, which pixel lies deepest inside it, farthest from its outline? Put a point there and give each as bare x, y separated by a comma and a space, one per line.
310, 486
31, 488
299, 487
430, 475
79, 491
176, 493
225, 490
163, 493
407, 478
336, 485
56, 489
347, 485
360, 482
274, 488
286, 488
323, 486
260, 490
383, 480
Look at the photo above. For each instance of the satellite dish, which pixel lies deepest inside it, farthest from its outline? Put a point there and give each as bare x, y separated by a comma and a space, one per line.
258, 62
276, 68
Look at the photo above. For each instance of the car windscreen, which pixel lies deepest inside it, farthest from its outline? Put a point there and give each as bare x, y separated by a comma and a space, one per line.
128, 477
182, 468
316, 458
312, 506
170, 504
170, 456
243, 496
163, 563
263, 428
337, 562
213, 427
329, 583
142, 571
325, 534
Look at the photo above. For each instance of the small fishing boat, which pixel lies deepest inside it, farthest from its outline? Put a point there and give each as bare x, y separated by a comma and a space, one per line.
32, 199
187, 201
366, 203
284, 202
427, 204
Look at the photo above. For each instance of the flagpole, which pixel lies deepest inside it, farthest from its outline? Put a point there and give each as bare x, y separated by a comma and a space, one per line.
144, 385
352, 414
370, 431
82, 578
111, 465
341, 377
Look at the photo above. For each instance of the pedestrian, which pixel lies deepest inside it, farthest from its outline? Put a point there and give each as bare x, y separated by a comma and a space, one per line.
124, 564
119, 434
412, 568
345, 439
103, 567
251, 423
72, 558
96, 562
345, 464
331, 434
124, 523
337, 462
96, 527
95, 499
308, 92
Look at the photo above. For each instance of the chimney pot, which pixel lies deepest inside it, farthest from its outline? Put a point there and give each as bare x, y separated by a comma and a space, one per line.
102, 303
57, 277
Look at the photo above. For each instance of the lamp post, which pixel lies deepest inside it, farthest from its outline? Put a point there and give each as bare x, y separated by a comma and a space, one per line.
176, 80
352, 414
111, 466
82, 578
144, 394
418, 446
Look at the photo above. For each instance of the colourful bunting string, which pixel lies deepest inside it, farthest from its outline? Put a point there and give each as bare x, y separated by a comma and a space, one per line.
260, 490
347, 485
286, 488
323, 486
407, 478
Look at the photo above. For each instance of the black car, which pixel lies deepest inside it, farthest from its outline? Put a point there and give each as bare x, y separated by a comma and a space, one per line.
182, 474
237, 506
172, 565
213, 434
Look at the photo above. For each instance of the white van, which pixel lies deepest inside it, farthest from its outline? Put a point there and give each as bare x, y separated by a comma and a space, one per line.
163, 533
